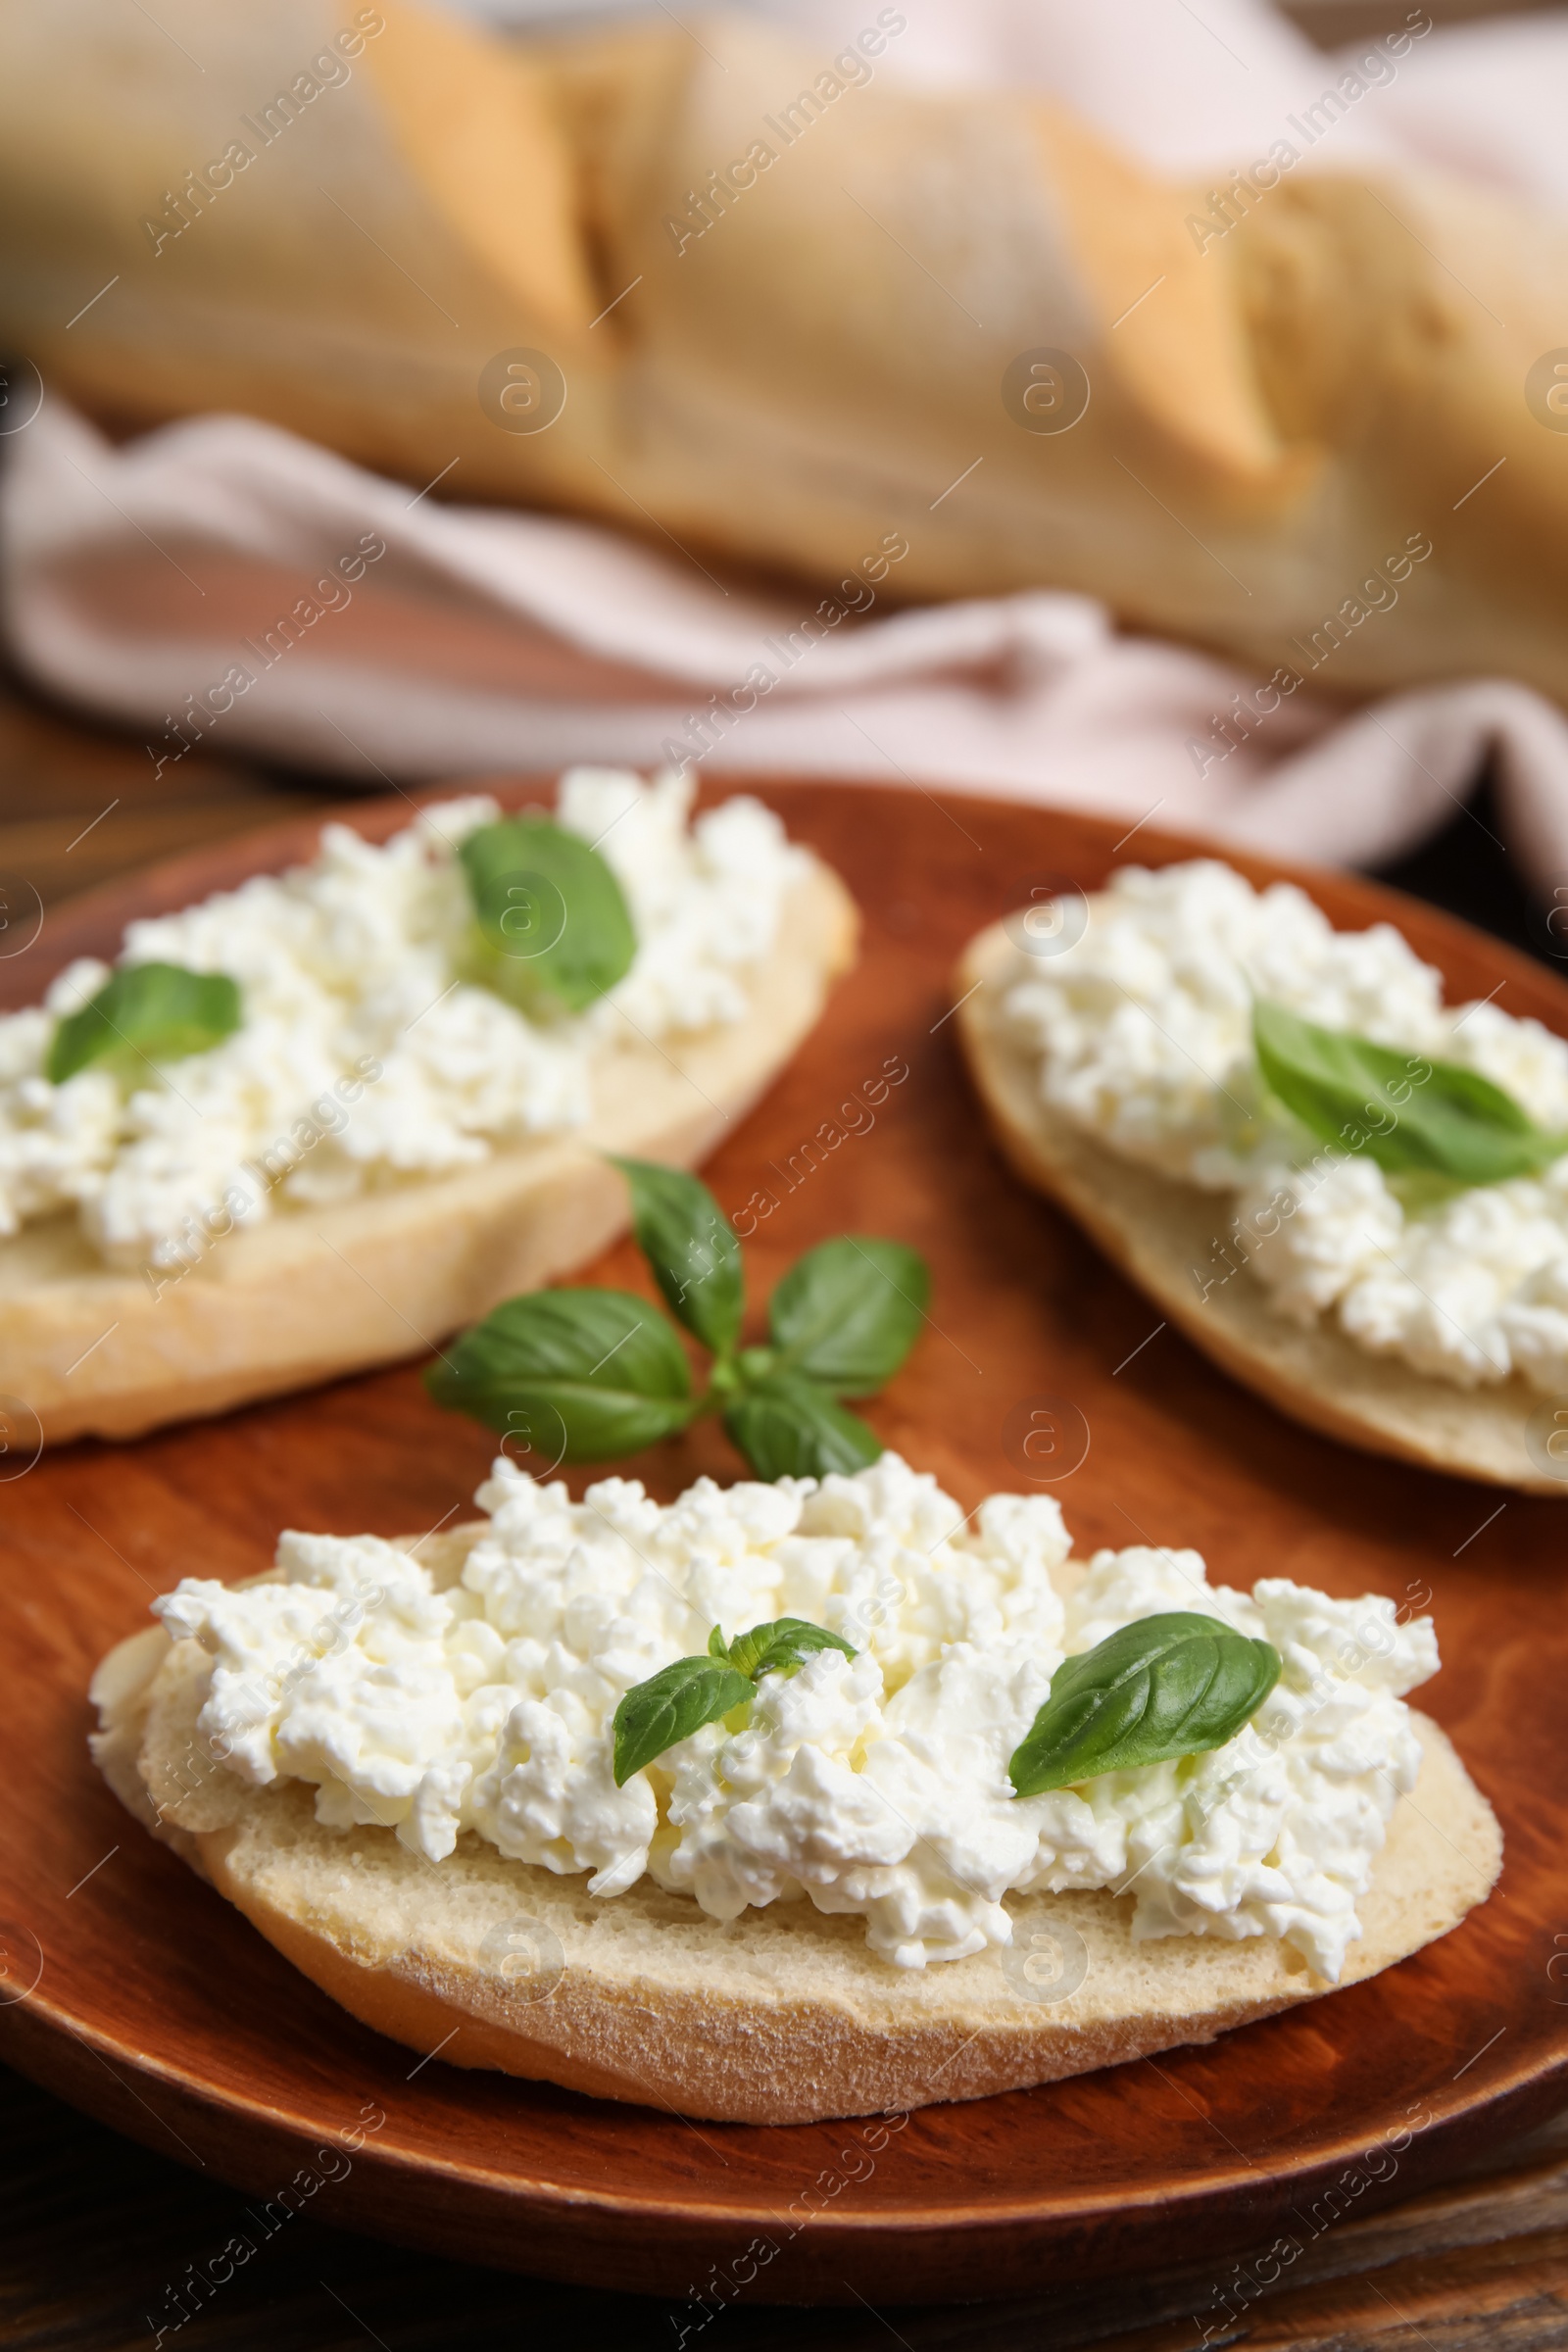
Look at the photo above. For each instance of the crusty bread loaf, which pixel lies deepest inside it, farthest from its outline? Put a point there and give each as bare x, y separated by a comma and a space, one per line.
1161, 1232
315, 1292
781, 2015
784, 295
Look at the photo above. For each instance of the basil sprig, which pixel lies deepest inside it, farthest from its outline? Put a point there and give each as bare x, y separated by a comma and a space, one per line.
1176, 1685
779, 1647
682, 1696
694, 1253
598, 1369
788, 1427
588, 1375
849, 1313
552, 928
1415, 1117
146, 1013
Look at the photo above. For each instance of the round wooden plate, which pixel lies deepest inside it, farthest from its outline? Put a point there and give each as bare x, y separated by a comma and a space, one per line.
132, 1989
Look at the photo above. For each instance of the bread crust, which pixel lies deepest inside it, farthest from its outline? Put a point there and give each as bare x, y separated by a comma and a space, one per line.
1253, 443
1161, 1232
312, 1294
782, 2016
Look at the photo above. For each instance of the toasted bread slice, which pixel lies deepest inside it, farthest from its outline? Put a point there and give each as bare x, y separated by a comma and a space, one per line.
314, 1294
1166, 1235
781, 2015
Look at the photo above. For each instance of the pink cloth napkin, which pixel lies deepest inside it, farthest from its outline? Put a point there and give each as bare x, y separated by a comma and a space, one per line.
223, 583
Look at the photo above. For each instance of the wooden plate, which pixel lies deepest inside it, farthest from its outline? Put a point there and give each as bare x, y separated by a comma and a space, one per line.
133, 1990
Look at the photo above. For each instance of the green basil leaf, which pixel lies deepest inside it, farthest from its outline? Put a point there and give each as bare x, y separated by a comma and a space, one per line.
781, 1647
146, 1012
692, 1247
597, 1373
788, 1427
1411, 1115
1176, 1685
670, 1705
553, 925
847, 1313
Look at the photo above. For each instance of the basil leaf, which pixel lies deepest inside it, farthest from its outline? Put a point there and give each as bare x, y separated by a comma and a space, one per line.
1176, 1685
847, 1313
146, 1012
603, 1363
670, 1705
788, 1427
1411, 1115
553, 925
781, 1647
692, 1247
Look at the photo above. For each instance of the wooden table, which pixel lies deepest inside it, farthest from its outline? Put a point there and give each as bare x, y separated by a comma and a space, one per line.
100, 2227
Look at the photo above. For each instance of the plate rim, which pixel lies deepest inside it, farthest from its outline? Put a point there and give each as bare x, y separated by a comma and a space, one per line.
1083, 2206
102, 901
1528, 2089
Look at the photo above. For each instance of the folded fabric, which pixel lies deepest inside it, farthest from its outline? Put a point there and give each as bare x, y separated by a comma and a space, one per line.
1197, 92
225, 584
771, 303
798, 388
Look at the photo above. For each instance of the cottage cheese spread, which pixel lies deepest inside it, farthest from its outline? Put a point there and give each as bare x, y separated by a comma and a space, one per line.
1142, 1029
346, 968
876, 1786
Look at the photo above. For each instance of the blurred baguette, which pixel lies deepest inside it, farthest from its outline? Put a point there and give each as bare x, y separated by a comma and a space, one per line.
1274, 412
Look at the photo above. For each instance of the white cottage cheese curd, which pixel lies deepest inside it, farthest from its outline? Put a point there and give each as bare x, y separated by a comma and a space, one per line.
359, 1062
1143, 1032
875, 1786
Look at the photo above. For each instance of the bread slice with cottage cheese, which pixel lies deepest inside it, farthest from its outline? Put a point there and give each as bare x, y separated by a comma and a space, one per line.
1161, 1232
781, 2015
314, 1294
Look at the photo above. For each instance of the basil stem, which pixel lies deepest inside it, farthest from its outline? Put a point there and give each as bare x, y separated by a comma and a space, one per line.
588, 1375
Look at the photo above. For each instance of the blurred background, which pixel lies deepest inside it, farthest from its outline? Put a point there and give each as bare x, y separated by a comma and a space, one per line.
1327, 389
1288, 371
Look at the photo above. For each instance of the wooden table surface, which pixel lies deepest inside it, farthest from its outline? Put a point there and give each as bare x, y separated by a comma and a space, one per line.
98, 2227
